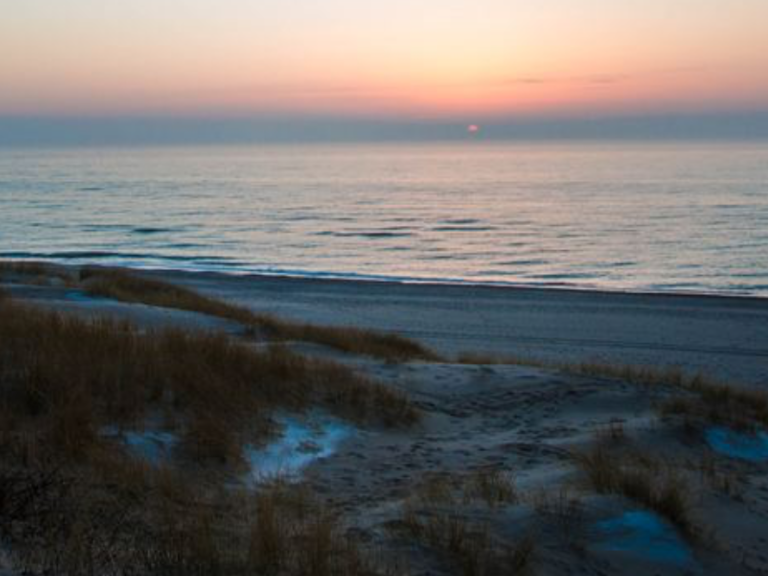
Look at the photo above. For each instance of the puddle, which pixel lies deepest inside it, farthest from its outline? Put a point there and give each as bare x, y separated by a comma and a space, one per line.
154, 446
644, 534
303, 442
751, 447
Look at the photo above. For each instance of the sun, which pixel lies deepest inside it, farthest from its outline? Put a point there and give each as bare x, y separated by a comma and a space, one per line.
473, 129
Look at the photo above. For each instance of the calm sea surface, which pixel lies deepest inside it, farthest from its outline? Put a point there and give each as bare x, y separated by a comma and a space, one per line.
658, 217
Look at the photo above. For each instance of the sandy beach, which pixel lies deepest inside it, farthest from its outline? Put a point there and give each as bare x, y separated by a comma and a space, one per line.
726, 337
551, 433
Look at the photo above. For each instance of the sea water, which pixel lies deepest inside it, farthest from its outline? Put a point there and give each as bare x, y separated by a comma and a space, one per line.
651, 216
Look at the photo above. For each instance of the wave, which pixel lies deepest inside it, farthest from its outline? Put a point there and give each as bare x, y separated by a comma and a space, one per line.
140, 230
150, 230
461, 221
463, 228
524, 262
364, 234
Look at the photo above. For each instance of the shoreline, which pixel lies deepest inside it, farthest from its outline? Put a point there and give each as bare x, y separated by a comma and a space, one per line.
456, 283
364, 279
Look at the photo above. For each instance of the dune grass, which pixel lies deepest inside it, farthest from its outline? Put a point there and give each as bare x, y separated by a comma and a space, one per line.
642, 478
489, 485
646, 375
712, 402
131, 287
441, 516
700, 397
469, 548
564, 508
73, 501
82, 374
122, 518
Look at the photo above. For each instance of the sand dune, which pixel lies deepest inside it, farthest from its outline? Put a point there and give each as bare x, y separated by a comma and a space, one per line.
502, 451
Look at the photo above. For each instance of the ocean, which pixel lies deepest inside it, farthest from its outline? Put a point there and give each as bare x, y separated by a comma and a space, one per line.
651, 216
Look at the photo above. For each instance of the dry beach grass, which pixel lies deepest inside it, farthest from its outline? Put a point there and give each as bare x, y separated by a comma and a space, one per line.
72, 502
130, 287
697, 396
647, 480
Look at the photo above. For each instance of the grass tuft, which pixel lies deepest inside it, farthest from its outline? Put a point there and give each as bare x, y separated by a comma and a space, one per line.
717, 403
440, 515
491, 485
656, 485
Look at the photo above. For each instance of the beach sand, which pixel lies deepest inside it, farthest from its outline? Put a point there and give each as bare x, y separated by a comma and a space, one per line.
524, 420
721, 336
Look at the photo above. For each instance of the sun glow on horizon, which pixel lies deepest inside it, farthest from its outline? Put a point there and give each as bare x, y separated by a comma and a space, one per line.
453, 58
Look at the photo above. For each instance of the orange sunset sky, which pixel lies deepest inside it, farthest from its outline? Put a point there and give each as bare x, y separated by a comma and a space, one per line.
407, 59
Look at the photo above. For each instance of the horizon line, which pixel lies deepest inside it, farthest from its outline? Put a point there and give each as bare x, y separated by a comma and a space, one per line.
176, 130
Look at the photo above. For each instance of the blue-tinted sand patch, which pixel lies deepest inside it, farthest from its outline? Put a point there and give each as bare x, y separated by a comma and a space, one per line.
80, 296
751, 447
155, 446
643, 534
303, 441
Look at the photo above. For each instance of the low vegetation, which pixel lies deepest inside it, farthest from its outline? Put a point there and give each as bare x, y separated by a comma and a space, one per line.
120, 518
491, 486
468, 547
76, 375
647, 480
74, 501
645, 375
439, 517
720, 404
130, 287
698, 397
564, 509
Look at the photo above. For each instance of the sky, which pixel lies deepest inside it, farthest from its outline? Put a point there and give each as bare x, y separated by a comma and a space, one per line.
372, 63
